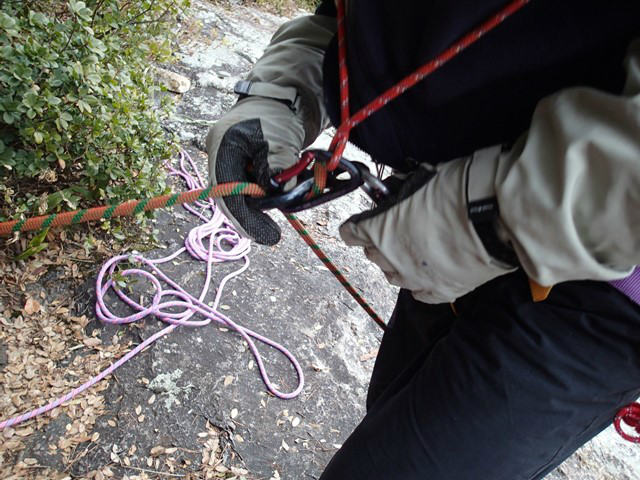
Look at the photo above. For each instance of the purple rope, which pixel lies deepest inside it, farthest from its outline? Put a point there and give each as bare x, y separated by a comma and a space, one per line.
214, 241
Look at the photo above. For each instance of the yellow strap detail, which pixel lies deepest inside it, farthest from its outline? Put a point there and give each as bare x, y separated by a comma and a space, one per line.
539, 293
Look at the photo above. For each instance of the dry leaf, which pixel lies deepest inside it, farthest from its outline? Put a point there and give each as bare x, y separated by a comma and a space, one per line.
155, 451
24, 432
92, 342
31, 306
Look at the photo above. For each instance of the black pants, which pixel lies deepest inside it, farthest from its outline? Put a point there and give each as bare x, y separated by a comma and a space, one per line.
505, 390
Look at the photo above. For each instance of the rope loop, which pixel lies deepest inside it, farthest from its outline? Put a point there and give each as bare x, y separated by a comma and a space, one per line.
630, 416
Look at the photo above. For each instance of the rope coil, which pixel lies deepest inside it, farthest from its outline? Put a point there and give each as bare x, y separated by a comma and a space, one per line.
214, 241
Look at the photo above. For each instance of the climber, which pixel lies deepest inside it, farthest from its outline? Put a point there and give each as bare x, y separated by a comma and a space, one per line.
519, 165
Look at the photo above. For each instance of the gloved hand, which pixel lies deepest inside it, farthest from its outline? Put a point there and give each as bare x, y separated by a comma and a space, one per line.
422, 237
281, 113
257, 138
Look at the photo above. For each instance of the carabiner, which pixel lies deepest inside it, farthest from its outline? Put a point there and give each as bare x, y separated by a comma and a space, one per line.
283, 201
294, 199
297, 199
372, 185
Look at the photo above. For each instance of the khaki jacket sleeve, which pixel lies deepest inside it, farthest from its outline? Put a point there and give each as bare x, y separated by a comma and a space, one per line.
569, 191
284, 91
294, 59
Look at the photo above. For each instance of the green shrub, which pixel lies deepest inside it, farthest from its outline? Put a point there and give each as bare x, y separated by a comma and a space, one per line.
284, 7
80, 118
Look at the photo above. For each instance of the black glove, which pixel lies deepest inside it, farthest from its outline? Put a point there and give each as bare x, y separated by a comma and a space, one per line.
256, 139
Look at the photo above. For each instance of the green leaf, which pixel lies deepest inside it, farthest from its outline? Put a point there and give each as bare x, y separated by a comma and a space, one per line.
37, 244
75, 6
70, 199
84, 106
31, 251
53, 100
77, 67
53, 200
39, 238
6, 22
81, 10
37, 18
93, 78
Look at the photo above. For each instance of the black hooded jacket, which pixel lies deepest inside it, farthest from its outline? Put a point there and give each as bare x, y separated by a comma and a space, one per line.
487, 94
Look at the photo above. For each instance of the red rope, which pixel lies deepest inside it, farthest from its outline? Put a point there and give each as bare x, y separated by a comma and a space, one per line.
347, 123
630, 415
340, 139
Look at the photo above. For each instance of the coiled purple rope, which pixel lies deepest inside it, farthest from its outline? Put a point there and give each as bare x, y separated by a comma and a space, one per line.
214, 241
